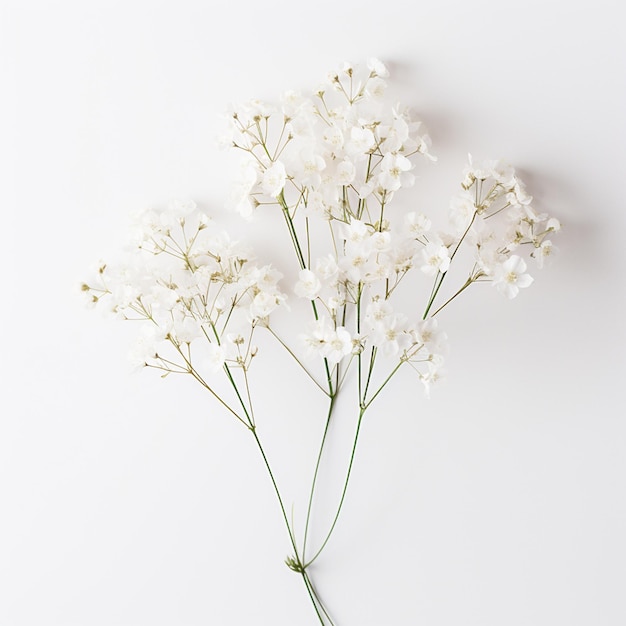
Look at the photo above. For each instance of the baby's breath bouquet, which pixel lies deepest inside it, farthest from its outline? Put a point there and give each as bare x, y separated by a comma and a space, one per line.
330, 165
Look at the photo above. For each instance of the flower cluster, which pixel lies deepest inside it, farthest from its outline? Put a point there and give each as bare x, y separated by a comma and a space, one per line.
329, 153
336, 157
489, 190
340, 155
201, 293
330, 164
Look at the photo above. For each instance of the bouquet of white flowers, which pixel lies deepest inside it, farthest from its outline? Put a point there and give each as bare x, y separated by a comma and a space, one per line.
330, 164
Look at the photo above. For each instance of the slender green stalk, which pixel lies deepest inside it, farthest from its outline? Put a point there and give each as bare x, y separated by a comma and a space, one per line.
199, 378
296, 359
312, 589
292, 230
441, 276
315, 473
317, 605
468, 282
343, 493
393, 371
364, 407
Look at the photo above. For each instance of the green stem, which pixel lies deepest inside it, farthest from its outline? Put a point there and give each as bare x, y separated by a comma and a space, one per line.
393, 371
311, 591
296, 244
343, 493
315, 473
296, 359
441, 276
461, 290
292, 230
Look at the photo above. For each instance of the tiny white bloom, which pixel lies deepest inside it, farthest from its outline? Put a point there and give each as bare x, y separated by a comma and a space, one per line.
509, 276
339, 345
377, 67
308, 285
436, 258
216, 356
395, 172
544, 253
417, 224
274, 179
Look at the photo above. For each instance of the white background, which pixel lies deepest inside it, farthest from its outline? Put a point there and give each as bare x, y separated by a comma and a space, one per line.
126, 500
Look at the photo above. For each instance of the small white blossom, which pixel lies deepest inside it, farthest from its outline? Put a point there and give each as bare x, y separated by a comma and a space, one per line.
216, 357
417, 224
361, 141
308, 285
274, 179
544, 253
436, 258
509, 276
395, 172
377, 67
339, 345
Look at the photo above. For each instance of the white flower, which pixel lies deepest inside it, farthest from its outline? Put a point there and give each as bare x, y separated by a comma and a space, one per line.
187, 329
417, 224
338, 345
376, 87
504, 174
434, 373
264, 303
436, 258
395, 172
318, 337
361, 141
239, 198
377, 311
462, 209
308, 285
509, 276
326, 341
308, 166
396, 134
274, 179
333, 136
144, 349
377, 67
390, 336
428, 333
346, 172
326, 268
553, 225
293, 103
544, 253
216, 356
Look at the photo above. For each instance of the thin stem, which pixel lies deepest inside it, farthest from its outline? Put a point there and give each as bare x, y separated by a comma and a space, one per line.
292, 230
345, 488
297, 360
312, 590
199, 378
393, 371
461, 290
314, 599
300, 255
315, 473
373, 354
441, 276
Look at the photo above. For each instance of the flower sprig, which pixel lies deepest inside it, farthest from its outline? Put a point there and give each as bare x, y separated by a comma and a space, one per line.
331, 163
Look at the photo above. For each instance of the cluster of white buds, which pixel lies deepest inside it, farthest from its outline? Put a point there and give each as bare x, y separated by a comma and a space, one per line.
340, 155
200, 292
329, 164
330, 153
495, 213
